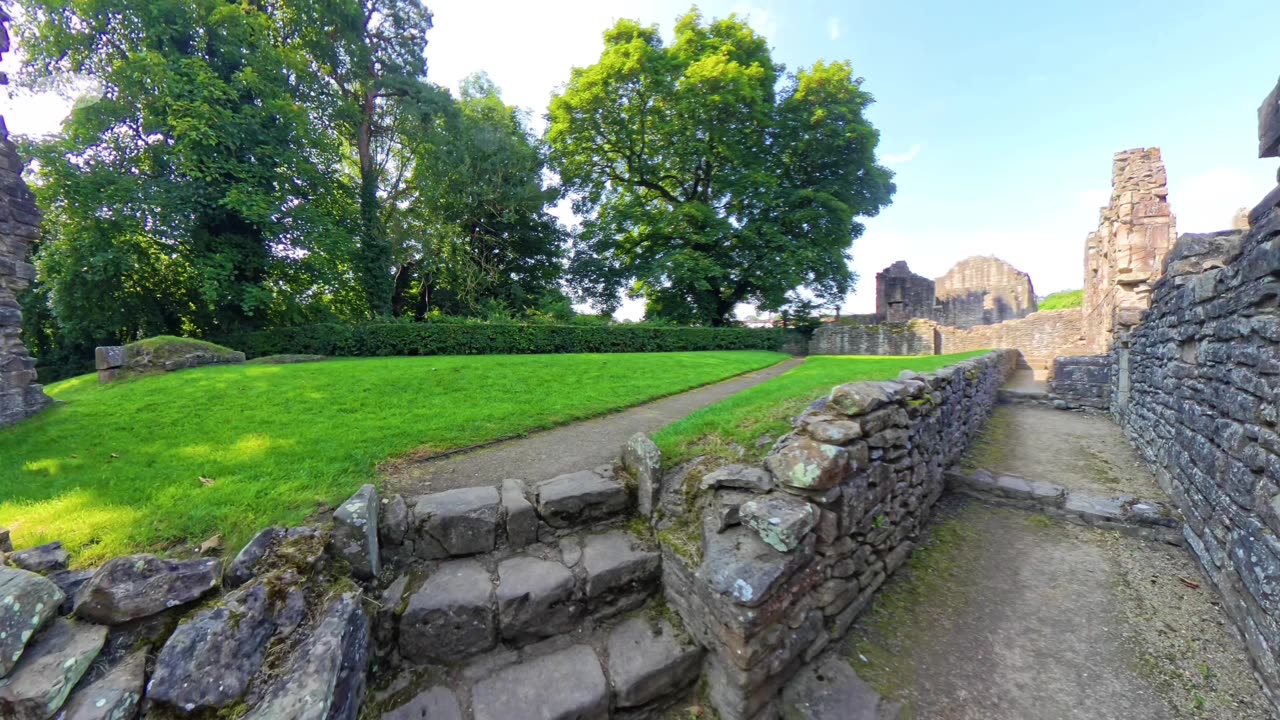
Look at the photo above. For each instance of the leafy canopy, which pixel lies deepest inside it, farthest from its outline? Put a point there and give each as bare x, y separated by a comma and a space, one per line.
707, 177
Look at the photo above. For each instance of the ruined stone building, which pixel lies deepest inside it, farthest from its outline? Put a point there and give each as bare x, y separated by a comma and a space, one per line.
20, 396
976, 291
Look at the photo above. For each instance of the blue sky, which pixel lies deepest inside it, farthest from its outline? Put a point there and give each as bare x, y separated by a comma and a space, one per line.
999, 118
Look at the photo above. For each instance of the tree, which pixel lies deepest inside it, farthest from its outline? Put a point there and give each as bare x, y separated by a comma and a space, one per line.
702, 187
194, 195
488, 240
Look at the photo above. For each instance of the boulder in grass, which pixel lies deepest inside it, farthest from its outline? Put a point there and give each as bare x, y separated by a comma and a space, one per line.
136, 586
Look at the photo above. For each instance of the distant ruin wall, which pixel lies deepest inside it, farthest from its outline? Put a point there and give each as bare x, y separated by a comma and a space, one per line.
983, 291
918, 337
1083, 381
1124, 256
1196, 390
902, 296
20, 396
1041, 337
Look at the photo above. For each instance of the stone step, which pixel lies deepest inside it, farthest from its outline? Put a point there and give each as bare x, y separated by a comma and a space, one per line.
631, 667
829, 689
446, 612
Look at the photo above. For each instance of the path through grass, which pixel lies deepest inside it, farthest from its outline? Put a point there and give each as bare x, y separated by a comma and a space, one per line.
168, 459
766, 410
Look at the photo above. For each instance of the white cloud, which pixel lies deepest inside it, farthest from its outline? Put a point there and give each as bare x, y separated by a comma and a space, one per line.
760, 19
901, 158
1208, 201
833, 27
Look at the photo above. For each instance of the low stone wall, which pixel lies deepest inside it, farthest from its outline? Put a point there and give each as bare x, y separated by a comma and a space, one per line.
918, 337
1040, 337
1197, 384
767, 566
1083, 381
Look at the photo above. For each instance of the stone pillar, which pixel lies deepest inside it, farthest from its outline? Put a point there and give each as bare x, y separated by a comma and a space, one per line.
1125, 256
20, 396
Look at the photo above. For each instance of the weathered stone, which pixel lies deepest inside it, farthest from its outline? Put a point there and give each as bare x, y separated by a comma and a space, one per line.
394, 524
27, 601
69, 582
108, 356
834, 432
451, 616
59, 655
457, 522
579, 498
739, 476
860, 398
620, 572
135, 586
1093, 509
208, 661
781, 520
115, 695
739, 565
47, 558
243, 567
522, 520
325, 678
539, 689
355, 533
535, 599
434, 703
641, 458
6, 544
727, 507
810, 465
831, 690
648, 661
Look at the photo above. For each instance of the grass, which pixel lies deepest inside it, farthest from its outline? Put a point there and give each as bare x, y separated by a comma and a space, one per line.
731, 428
1064, 300
162, 461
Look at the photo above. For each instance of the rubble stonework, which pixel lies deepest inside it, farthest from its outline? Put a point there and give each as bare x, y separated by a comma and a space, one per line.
983, 291
764, 612
916, 337
902, 295
1124, 256
20, 396
1040, 337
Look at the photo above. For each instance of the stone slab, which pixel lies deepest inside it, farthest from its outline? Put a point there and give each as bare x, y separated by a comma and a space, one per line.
831, 690
781, 520
522, 519
1269, 125
115, 695
135, 586
451, 616
565, 685
355, 533
27, 601
51, 666
580, 498
457, 522
434, 703
648, 661
535, 598
620, 573
47, 558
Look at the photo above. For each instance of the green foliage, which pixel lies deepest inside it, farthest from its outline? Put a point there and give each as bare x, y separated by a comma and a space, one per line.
464, 337
118, 468
702, 186
1064, 300
736, 423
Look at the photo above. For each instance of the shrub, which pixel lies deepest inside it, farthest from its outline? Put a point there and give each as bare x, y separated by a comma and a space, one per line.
1064, 300
478, 338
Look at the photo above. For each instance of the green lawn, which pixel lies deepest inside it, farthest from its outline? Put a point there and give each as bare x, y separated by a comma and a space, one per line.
167, 459
1064, 300
767, 409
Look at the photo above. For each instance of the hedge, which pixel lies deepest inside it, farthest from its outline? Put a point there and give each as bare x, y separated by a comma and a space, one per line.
428, 338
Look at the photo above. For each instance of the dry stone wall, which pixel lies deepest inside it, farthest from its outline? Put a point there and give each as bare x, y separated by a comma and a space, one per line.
917, 337
785, 557
1040, 337
20, 396
1124, 256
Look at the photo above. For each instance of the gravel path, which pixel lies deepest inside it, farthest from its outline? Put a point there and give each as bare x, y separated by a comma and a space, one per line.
578, 446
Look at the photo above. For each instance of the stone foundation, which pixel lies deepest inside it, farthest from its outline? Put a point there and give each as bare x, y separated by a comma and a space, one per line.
780, 573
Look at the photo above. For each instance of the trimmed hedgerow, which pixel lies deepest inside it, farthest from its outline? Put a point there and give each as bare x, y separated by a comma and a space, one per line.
429, 338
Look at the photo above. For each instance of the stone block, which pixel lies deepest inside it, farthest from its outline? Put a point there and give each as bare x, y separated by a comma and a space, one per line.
580, 498
649, 661
538, 688
109, 357
536, 599
43, 678
29, 600
831, 690
47, 558
355, 533
522, 519
136, 586
740, 566
1269, 125
742, 477
809, 465
116, 695
457, 522
620, 572
641, 458
434, 703
450, 617
781, 520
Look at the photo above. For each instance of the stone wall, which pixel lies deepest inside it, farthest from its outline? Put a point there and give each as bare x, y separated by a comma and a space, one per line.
1197, 385
917, 337
983, 291
787, 556
20, 396
1083, 381
1124, 256
1040, 337
902, 295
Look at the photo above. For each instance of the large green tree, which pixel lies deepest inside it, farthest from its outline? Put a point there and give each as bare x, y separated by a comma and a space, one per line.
701, 184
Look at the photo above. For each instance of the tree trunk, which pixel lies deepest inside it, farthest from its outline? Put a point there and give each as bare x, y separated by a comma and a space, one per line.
375, 251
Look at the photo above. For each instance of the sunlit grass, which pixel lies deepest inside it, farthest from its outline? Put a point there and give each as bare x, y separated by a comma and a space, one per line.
171, 459
731, 428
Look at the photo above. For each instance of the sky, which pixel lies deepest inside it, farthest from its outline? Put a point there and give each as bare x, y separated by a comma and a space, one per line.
999, 118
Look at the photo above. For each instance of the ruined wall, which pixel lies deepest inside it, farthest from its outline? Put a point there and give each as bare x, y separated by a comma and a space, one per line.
1197, 385
20, 396
787, 565
1124, 256
902, 295
918, 337
1040, 337
983, 291
1083, 381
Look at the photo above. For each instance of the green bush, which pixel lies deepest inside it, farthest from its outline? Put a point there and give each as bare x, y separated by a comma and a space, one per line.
1064, 300
476, 338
